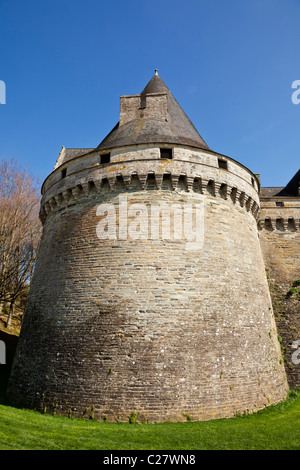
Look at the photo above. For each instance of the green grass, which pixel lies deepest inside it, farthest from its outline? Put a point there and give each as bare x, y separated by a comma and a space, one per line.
277, 427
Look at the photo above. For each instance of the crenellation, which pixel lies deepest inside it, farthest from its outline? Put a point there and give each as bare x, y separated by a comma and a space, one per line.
123, 159
279, 224
120, 182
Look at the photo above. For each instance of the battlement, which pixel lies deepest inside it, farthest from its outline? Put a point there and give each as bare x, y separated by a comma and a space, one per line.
150, 181
279, 224
142, 169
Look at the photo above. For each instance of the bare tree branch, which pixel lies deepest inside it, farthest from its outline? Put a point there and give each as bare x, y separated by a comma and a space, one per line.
20, 230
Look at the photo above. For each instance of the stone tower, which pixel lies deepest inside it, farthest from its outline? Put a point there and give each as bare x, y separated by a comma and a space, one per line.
150, 293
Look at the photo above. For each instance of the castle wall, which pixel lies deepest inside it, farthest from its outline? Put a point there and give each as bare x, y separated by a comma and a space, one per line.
280, 242
151, 325
281, 251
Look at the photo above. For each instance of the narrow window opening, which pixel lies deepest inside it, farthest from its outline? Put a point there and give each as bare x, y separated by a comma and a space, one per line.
252, 181
105, 158
222, 164
63, 173
279, 204
166, 153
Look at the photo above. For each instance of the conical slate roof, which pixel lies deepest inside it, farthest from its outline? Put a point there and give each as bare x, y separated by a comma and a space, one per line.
292, 188
173, 128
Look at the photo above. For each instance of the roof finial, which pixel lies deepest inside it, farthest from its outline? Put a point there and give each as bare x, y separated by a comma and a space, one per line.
156, 72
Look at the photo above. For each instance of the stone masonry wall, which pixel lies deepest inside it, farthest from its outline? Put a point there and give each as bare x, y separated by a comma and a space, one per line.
147, 325
280, 242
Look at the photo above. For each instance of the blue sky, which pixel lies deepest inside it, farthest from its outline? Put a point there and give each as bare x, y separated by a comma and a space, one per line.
230, 65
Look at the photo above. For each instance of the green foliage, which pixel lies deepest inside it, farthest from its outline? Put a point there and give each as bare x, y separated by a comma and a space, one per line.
92, 416
188, 417
132, 418
293, 290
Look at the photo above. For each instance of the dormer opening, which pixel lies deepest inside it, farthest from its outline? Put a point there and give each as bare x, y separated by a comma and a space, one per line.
222, 164
166, 153
105, 158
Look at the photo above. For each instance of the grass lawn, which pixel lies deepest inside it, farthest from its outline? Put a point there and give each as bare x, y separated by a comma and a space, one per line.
277, 427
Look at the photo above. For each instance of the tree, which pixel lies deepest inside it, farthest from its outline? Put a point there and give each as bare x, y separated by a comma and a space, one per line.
20, 232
